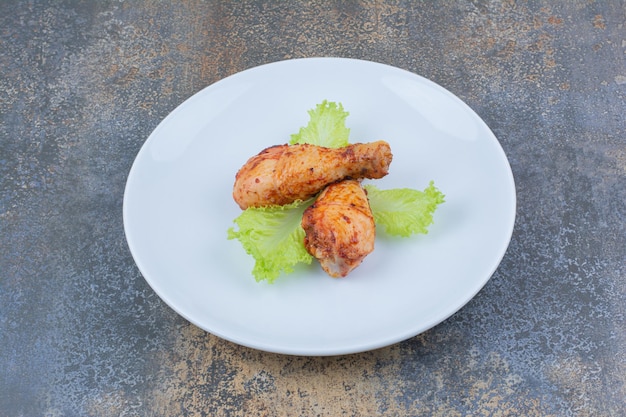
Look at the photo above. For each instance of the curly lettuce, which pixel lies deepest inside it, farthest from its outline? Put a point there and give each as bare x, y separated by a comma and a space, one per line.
404, 211
326, 127
273, 236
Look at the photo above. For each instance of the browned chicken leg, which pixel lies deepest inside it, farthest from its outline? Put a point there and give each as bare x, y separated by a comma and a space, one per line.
339, 227
283, 174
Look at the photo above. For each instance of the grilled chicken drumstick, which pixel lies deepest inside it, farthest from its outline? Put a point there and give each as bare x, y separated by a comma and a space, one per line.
340, 227
283, 174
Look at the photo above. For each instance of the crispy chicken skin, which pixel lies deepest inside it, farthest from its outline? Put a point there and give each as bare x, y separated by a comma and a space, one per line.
283, 174
340, 227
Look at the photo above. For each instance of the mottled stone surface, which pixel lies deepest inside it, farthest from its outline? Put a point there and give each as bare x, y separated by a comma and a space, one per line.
84, 83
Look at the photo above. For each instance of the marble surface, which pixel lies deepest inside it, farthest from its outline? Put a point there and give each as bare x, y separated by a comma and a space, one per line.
84, 83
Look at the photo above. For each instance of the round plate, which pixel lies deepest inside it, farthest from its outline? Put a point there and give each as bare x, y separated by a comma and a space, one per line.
178, 206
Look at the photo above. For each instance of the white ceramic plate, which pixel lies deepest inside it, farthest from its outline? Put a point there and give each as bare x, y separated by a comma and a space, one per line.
178, 207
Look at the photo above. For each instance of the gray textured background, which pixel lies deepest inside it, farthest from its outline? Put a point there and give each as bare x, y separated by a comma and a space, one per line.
84, 83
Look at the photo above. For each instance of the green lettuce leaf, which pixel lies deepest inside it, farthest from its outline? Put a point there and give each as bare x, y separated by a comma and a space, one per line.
327, 127
404, 211
274, 237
